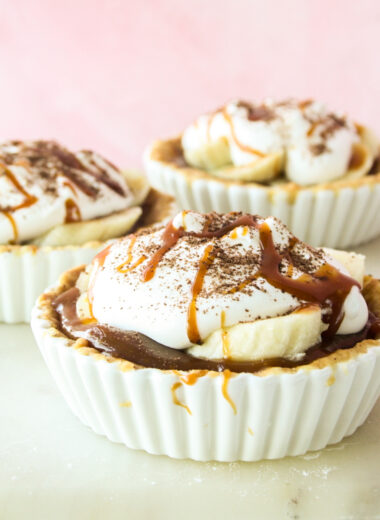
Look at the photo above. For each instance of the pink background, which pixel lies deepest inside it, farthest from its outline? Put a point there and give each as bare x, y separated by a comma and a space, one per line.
112, 75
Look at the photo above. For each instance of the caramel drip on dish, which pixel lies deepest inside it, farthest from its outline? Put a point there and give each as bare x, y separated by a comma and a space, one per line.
225, 340
73, 213
176, 401
28, 201
242, 146
192, 326
226, 378
191, 378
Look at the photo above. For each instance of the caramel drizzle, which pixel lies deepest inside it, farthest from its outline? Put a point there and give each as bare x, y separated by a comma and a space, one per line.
73, 213
192, 326
242, 146
313, 127
13, 224
327, 283
29, 200
99, 260
127, 266
91, 319
170, 237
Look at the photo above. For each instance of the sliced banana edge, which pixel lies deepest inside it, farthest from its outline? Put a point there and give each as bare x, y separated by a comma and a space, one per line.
365, 153
215, 157
283, 336
210, 156
138, 184
100, 229
262, 170
353, 262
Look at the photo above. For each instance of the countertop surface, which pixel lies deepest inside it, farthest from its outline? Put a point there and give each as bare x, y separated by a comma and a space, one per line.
53, 467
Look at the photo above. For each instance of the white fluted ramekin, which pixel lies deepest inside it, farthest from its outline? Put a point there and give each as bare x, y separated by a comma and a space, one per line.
339, 214
26, 271
221, 416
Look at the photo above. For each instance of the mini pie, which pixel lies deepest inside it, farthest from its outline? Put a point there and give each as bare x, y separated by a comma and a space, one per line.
215, 337
315, 170
57, 209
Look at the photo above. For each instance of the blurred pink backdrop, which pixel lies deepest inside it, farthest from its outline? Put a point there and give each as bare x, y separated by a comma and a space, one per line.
112, 75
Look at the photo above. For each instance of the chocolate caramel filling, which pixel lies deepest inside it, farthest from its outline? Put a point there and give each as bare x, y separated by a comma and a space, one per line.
143, 351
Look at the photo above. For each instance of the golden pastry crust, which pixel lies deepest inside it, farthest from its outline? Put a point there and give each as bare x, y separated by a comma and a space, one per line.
170, 154
371, 292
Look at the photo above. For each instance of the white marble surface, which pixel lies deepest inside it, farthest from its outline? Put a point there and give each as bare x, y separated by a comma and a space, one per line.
53, 467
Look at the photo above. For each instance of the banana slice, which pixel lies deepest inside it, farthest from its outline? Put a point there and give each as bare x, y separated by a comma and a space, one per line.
284, 336
100, 229
210, 156
353, 262
263, 169
363, 153
138, 184
215, 158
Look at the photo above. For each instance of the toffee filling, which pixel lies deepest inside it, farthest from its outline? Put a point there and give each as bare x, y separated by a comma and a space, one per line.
143, 351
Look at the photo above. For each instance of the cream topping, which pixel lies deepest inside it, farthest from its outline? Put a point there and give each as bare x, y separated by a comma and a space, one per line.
180, 283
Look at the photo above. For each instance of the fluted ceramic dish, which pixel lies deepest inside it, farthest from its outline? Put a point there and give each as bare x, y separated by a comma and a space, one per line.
206, 415
338, 214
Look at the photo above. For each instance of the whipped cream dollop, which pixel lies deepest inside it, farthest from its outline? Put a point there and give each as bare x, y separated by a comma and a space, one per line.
178, 283
43, 185
317, 144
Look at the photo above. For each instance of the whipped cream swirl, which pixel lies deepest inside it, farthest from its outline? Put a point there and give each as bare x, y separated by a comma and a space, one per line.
177, 283
43, 185
316, 143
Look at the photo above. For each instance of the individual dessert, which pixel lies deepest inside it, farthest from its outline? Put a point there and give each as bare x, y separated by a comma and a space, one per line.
215, 336
57, 208
314, 169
